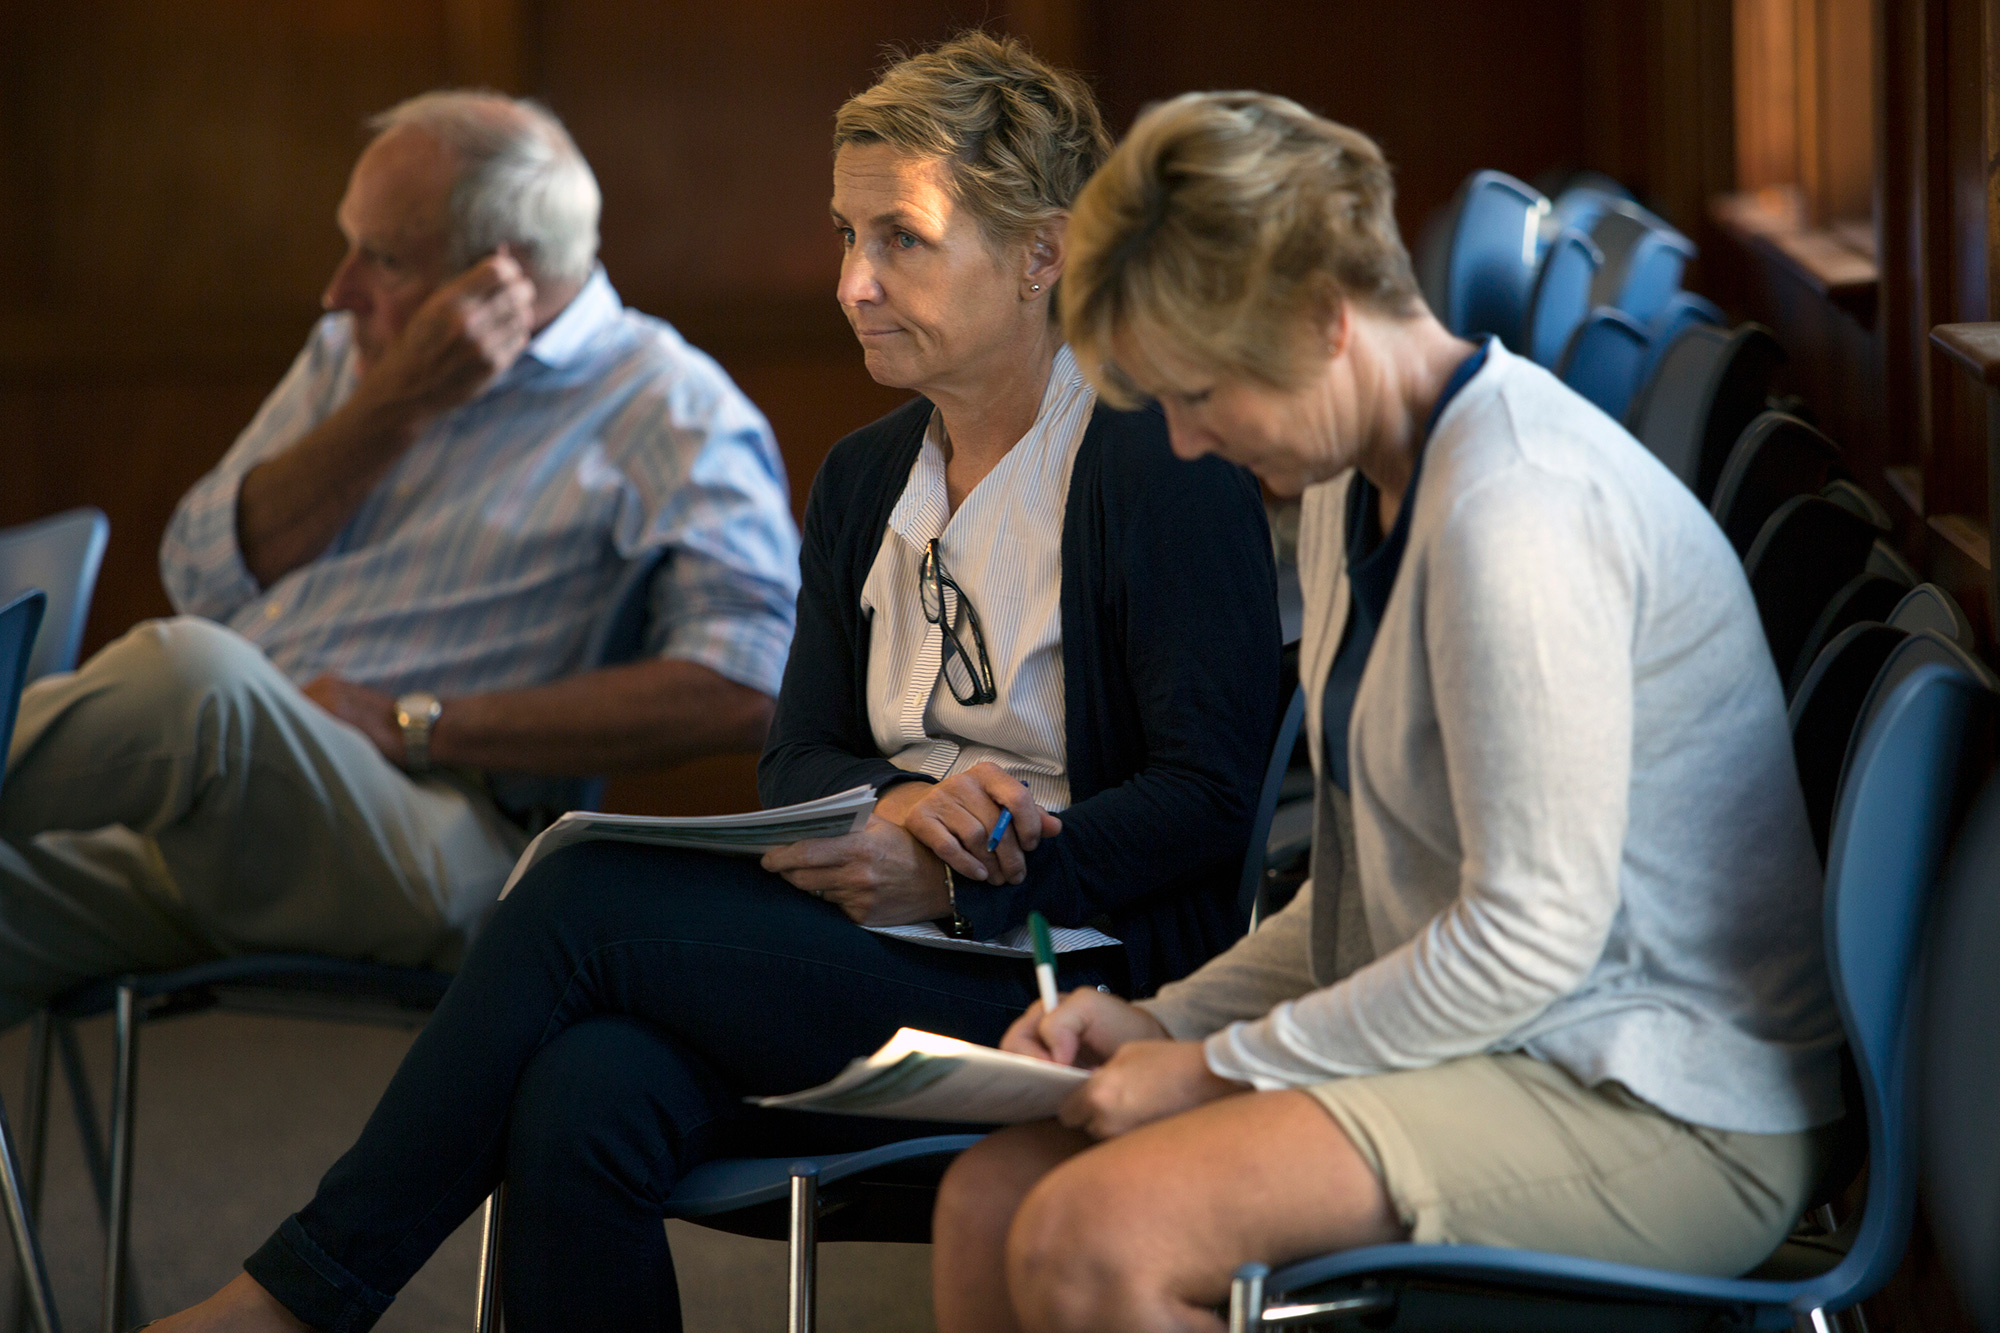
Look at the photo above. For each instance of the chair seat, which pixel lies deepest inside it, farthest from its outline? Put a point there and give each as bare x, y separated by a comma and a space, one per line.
878, 1194
1496, 1266
417, 988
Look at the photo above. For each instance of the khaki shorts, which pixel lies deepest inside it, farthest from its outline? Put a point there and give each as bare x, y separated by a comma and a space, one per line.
1510, 1150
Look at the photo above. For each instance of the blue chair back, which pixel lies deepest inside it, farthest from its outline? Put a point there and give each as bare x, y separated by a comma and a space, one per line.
1561, 296
60, 555
19, 620
1889, 838
1652, 274
619, 637
1777, 457
1602, 360
1961, 1154
1683, 311
1249, 889
1578, 207
1494, 249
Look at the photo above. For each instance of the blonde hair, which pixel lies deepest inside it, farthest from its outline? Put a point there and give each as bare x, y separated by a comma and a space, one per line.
1019, 137
1219, 223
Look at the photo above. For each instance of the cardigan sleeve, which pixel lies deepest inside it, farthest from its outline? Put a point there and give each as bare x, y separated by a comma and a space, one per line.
820, 741
1527, 623
1190, 589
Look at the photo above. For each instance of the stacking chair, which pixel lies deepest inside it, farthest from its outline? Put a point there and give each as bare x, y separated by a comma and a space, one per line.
1930, 607
20, 619
1961, 1067
291, 985
880, 1194
1825, 711
1602, 359
1895, 818
1777, 457
1643, 262
1867, 597
1560, 297
1846, 493
1709, 385
1492, 248
60, 555
1806, 552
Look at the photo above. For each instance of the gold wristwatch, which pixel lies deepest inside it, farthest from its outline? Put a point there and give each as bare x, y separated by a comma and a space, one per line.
416, 713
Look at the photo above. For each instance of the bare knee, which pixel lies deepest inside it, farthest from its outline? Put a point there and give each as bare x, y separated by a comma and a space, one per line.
987, 1182
1072, 1264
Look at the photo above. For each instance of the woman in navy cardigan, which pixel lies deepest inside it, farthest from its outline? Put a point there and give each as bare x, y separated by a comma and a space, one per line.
1012, 599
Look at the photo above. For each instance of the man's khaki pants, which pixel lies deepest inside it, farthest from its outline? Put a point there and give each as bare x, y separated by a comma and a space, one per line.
177, 799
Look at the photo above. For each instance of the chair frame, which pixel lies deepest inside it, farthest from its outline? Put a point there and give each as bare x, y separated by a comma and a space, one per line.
1875, 993
23, 615
733, 1186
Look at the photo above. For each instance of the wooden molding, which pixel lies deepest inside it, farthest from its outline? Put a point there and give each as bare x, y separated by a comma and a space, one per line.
1968, 536
1975, 347
1771, 223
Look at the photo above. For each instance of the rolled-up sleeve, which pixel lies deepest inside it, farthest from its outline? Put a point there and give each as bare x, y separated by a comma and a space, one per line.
728, 595
201, 562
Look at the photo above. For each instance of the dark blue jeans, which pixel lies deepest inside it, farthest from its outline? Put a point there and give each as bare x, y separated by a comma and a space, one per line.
598, 1043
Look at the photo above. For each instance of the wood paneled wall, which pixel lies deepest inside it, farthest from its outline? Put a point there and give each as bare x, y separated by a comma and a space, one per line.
169, 170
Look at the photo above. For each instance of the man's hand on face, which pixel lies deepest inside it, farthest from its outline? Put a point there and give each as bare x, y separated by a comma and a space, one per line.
461, 339
370, 712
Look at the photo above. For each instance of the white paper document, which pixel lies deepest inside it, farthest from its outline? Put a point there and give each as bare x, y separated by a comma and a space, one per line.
922, 1076
1016, 943
749, 834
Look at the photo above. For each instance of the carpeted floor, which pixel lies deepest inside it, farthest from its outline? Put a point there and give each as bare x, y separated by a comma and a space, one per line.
239, 1115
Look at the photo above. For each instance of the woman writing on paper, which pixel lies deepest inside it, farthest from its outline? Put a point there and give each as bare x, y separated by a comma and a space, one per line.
1557, 981
1014, 599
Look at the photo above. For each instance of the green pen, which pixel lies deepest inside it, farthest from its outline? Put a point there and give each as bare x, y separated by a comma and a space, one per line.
1045, 960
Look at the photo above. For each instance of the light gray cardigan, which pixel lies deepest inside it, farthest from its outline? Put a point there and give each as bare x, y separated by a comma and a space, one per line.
1577, 826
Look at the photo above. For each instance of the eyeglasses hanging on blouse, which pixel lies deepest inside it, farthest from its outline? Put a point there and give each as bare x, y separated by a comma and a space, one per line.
967, 671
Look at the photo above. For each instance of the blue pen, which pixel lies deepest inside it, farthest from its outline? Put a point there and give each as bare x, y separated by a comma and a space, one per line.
999, 830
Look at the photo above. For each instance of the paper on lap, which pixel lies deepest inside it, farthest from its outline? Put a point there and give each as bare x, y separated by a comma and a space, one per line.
749, 834
922, 1076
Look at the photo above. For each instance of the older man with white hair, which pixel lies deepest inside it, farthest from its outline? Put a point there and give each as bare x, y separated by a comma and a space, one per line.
387, 587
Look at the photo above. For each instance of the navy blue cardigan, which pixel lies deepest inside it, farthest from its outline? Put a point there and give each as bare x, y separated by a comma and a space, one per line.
1170, 675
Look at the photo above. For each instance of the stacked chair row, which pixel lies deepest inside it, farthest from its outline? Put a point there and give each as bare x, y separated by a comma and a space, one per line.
1586, 284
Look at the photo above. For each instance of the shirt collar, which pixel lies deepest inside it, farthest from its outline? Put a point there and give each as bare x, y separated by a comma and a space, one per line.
923, 509
569, 333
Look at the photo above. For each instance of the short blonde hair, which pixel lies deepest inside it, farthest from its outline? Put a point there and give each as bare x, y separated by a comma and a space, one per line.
1221, 221
1019, 137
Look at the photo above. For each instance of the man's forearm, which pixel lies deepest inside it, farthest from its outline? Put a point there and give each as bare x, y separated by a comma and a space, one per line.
291, 507
642, 715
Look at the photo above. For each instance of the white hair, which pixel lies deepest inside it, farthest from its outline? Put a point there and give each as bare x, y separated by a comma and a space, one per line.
521, 181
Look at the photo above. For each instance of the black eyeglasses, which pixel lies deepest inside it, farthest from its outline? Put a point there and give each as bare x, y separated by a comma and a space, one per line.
967, 672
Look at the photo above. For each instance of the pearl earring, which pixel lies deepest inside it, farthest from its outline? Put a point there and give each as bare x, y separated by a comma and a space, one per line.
1035, 287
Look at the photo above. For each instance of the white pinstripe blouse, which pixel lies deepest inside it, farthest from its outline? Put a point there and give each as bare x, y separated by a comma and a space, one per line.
1004, 548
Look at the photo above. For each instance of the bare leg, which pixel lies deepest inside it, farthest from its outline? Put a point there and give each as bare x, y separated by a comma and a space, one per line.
240, 1307
975, 1207
1142, 1232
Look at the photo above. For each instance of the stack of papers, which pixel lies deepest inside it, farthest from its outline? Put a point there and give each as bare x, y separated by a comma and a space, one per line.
750, 834
922, 1076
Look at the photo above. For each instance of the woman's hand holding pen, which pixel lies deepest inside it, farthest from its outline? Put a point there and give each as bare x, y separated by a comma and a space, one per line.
1142, 1074
957, 817
1085, 1029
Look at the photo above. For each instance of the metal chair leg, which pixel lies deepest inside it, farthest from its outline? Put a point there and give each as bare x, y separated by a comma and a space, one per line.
486, 1303
803, 1292
124, 1102
27, 1251
1246, 1298
83, 1109
34, 1149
